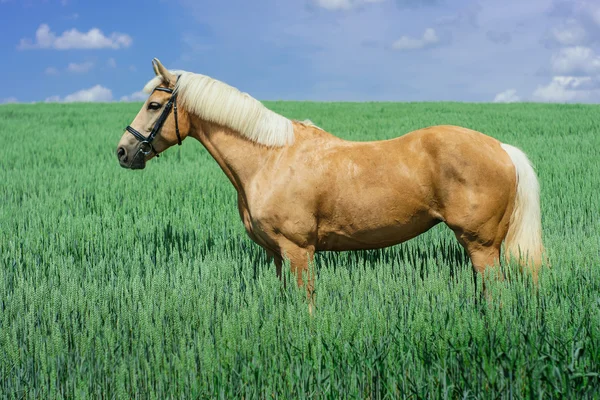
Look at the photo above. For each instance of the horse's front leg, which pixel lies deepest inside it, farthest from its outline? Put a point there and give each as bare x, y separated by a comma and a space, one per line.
301, 258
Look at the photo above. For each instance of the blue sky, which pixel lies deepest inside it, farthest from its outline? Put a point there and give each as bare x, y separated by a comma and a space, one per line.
346, 50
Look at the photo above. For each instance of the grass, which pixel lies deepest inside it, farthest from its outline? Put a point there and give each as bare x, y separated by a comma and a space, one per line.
123, 284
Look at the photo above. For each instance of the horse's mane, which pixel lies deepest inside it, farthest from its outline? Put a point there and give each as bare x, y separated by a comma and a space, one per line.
309, 123
217, 102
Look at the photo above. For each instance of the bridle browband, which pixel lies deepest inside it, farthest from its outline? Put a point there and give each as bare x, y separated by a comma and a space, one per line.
146, 142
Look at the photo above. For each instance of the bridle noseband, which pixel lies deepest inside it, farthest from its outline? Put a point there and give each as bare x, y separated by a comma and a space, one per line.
146, 142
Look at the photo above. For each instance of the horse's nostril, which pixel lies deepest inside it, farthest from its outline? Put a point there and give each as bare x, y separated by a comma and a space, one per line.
122, 154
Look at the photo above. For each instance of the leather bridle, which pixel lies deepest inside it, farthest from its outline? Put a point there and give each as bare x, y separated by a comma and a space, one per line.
146, 142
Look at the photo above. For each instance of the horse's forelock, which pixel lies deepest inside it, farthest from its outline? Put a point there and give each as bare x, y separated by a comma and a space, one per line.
152, 84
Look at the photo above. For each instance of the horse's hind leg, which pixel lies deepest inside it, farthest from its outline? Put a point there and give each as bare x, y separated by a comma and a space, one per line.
482, 242
480, 225
482, 255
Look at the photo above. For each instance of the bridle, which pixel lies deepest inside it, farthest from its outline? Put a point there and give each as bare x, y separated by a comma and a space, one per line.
146, 142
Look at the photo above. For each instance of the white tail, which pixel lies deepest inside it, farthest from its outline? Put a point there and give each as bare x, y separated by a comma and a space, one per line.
524, 237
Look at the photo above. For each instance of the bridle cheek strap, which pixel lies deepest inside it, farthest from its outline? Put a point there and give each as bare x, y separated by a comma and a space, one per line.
146, 142
176, 119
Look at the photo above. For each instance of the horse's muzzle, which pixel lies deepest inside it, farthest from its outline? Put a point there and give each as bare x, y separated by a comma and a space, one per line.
138, 161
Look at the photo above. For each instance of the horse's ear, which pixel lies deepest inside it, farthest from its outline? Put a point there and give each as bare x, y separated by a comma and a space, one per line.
155, 67
159, 69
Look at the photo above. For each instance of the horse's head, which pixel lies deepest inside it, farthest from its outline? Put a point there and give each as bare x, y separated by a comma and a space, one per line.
158, 125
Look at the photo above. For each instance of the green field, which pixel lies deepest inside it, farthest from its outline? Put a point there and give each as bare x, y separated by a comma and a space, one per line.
143, 284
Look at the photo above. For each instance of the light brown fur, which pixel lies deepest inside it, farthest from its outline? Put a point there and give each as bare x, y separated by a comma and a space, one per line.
324, 193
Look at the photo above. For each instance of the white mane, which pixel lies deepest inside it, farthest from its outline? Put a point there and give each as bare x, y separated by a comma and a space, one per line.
308, 122
225, 105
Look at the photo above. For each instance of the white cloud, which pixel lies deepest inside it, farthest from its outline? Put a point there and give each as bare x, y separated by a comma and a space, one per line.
342, 4
8, 100
132, 68
51, 71
80, 68
576, 60
73, 39
136, 96
96, 93
569, 34
508, 96
564, 89
111, 63
580, 22
407, 43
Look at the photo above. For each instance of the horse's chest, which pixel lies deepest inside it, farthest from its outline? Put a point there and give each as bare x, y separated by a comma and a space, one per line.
253, 226
245, 216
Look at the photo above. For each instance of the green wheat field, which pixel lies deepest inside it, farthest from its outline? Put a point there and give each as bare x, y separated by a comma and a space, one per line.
122, 284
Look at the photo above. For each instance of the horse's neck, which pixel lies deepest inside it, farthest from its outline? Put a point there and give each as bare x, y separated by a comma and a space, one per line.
237, 156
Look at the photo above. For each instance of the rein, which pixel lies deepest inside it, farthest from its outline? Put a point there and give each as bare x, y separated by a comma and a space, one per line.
146, 142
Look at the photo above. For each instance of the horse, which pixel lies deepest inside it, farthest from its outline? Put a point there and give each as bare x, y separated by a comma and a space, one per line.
302, 190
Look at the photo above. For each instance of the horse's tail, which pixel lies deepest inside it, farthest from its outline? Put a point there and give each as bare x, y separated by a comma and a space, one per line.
524, 237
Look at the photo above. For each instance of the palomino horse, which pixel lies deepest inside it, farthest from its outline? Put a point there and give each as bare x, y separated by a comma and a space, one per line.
302, 190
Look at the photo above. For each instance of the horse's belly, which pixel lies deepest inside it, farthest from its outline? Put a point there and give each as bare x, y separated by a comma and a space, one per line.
353, 237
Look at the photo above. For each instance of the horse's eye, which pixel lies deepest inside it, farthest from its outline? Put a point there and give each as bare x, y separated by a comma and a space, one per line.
153, 106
